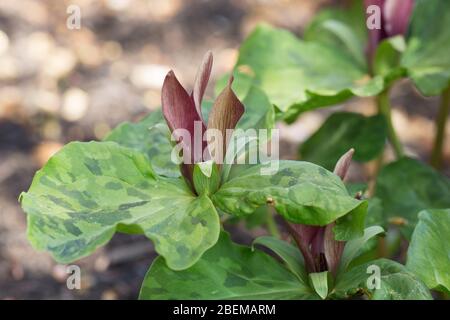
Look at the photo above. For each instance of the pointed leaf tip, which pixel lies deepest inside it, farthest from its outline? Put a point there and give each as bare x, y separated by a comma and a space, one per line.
201, 81
343, 164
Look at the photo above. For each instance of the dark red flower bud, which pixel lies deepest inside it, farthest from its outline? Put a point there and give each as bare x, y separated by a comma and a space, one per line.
183, 114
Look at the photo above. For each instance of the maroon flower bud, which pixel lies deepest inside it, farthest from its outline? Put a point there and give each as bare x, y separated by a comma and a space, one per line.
183, 111
394, 17
318, 246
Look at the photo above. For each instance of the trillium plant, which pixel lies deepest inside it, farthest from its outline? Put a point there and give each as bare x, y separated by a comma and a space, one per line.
183, 174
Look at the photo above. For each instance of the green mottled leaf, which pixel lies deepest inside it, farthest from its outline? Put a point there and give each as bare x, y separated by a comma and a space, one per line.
343, 28
408, 186
401, 286
354, 246
387, 58
301, 192
427, 55
290, 255
395, 282
296, 75
355, 187
375, 216
226, 271
257, 218
352, 18
206, 177
319, 281
88, 191
351, 225
429, 250
151, 137
342, 131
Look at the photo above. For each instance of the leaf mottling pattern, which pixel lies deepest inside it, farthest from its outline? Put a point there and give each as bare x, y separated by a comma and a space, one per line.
427, 55
407, 187
151, 137
296, 75
429, 250
342, 131
226, 271
301, 192
396, 283
73, 208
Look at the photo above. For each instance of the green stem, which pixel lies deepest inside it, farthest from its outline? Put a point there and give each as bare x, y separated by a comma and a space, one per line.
441, 121
272, 225
384, 108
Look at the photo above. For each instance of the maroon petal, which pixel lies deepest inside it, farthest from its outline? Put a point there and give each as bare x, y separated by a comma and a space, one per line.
180, 113
333, 249
317, 242
225, 114
343, 164
375, 35
397, 14
303, 236
201, 81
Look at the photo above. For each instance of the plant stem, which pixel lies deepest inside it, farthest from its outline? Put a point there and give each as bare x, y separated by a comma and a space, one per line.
272, 225
373, 176
384, 108
441, 121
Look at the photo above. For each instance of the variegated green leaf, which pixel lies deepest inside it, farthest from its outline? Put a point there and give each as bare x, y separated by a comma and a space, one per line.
206, 177
427, 55
342, 28
88, 191
341, 132
151, 137
301, 192
380, 280
387, 59
296, 75
407, 187
354, 246
226, 271
368, 251
429, 250
290, 255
